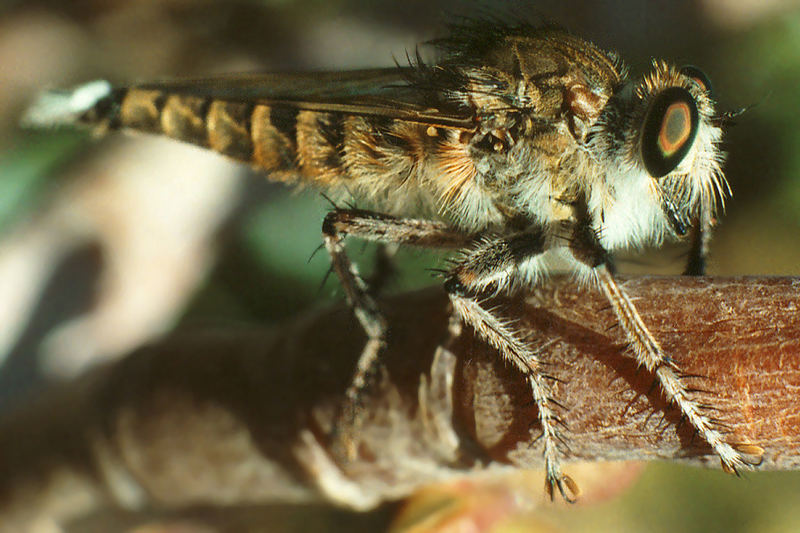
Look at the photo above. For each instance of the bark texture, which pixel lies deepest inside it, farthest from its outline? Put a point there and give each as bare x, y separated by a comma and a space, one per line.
243, 417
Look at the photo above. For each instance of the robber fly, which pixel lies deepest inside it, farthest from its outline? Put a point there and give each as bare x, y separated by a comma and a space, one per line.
520, 144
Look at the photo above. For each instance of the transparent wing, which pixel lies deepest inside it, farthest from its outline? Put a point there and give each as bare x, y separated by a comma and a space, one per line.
373, 92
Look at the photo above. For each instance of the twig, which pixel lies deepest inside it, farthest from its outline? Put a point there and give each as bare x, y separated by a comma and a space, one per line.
244, 417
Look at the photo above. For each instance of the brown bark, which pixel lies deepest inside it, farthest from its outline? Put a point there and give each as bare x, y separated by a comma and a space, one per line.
244, 417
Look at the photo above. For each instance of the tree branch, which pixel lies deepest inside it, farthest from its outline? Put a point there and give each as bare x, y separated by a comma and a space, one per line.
245, 417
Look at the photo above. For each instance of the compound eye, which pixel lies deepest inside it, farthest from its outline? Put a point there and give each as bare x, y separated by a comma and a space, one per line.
669, 129
698, 76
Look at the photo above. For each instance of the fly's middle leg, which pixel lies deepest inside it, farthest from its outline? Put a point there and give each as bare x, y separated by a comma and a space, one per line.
487, 264
497, 265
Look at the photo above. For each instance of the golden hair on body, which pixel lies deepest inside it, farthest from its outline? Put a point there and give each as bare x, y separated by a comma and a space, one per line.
520, 143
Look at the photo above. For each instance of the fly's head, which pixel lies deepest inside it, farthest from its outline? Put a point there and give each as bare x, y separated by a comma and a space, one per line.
662, 136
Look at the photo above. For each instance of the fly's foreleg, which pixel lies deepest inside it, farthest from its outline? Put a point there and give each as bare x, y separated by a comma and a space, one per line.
699, 241
495, 265
587, 249
380, 228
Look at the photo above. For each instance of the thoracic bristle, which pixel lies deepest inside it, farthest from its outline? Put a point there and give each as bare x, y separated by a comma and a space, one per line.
58, 108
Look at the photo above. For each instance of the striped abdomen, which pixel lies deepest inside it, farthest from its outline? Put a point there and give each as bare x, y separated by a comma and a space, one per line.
395, 165
311, 147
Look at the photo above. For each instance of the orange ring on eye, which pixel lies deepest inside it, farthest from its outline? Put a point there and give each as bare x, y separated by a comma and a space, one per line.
676, 128
669, 128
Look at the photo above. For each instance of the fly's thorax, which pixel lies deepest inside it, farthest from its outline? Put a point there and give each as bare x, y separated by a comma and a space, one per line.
533, 97
516, 165
657, 143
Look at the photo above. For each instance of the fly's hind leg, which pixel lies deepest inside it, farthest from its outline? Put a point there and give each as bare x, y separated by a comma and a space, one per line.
368, 225
495, 265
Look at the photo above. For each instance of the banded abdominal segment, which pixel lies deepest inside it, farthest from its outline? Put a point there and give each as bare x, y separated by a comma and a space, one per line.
251, 133
369, 156
384, 163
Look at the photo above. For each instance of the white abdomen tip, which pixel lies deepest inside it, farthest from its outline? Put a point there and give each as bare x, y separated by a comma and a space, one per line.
56, 108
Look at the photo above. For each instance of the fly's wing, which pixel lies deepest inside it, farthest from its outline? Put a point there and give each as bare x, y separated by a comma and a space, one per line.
307, 127
372, 92
312, 128
288, 85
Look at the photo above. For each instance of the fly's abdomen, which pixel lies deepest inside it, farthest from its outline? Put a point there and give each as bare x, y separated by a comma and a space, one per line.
307, 147
260, 135
264, 136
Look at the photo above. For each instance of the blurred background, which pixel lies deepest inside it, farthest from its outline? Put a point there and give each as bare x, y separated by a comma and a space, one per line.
106, 244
